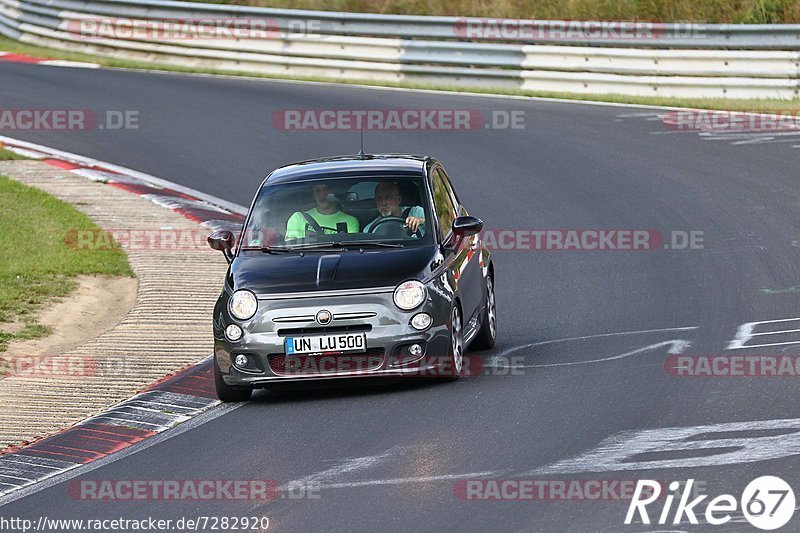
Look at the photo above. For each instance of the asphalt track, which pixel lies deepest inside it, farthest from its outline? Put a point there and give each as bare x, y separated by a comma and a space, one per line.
386, 457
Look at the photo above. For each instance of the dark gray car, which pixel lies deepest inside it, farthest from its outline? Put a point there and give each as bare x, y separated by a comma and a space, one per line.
350, 267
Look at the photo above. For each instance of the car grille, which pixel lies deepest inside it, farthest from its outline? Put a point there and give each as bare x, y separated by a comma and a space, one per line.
316, 364
324, 330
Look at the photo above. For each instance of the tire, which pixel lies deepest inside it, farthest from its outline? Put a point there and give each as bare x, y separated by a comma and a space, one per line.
225, 392
456, 352
485, 338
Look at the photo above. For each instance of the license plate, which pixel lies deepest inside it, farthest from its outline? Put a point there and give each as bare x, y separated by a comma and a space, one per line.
345, 342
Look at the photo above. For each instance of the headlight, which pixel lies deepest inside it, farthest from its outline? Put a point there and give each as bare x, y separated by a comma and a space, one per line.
421, 321
409, 294
243, 305
233, 332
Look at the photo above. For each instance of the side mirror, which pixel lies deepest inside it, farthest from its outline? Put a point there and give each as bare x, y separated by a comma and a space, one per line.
222, 240
466, 226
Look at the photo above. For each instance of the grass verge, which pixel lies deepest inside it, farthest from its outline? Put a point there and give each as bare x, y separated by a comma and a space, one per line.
751, 105
723, 11
36, 264
8, 155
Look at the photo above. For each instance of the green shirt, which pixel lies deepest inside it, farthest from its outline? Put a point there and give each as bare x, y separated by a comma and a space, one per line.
297, 226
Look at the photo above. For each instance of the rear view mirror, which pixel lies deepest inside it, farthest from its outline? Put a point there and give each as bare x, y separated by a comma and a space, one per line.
222, 240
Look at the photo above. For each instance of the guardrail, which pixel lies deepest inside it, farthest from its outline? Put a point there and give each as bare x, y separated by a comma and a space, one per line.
679, 60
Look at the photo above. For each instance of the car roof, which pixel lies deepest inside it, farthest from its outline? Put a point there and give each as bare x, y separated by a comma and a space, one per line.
395, 165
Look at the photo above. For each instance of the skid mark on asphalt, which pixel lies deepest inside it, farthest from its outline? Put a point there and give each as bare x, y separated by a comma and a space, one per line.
404, 480
677, 346
331, 478
348, 466
500, 360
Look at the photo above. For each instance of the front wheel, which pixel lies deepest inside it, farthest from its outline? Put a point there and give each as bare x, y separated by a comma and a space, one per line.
456, 360
225, 392
488, 333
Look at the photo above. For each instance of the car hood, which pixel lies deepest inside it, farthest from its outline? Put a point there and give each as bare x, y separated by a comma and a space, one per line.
270, 274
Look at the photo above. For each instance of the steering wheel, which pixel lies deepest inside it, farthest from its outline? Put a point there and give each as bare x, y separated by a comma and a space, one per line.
391, 227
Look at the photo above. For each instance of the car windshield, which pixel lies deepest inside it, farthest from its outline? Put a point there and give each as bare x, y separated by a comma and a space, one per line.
362, 212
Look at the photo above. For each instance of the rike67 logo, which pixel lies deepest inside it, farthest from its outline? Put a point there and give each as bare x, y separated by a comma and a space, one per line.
767, 503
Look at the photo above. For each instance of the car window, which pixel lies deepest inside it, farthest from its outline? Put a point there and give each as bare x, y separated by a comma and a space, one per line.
449, 186
443, 203
364, 189
338, 210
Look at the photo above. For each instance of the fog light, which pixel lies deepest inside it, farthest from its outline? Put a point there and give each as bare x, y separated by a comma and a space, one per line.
233, 332
415, 349
421, 321
241, 360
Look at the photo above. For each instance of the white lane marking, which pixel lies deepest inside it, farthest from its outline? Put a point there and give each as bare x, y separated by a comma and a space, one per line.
498, 358
776, 321
767, 345
775, 332
747, 331
70, 64
677, 346
618, 452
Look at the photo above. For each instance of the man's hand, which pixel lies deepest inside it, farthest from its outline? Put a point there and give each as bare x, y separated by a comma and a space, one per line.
413, 223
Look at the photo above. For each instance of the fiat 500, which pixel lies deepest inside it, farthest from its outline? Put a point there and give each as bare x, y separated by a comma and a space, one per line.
348, 267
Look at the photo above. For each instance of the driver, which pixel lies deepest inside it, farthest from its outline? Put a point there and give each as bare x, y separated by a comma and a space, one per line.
387, 199
324, 218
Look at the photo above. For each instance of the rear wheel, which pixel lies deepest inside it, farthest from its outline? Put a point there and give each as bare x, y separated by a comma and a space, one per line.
456, 362
225, 392
488, 333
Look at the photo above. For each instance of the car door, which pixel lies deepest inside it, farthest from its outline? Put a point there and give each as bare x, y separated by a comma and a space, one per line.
464, 267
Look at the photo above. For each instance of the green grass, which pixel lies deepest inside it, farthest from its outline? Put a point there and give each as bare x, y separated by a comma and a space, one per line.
754, 105
7, 155
36, 263
722, 11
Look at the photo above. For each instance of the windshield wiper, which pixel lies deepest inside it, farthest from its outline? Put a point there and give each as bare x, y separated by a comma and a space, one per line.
380, 244
332, 246
341, 244
269, 249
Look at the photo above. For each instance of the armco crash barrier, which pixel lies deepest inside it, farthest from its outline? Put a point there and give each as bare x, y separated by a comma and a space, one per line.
643, 59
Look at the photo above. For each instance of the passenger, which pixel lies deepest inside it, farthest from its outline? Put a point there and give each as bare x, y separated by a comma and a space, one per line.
325, 218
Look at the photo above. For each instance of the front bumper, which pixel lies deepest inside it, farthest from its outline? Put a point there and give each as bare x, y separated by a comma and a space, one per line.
388, 335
